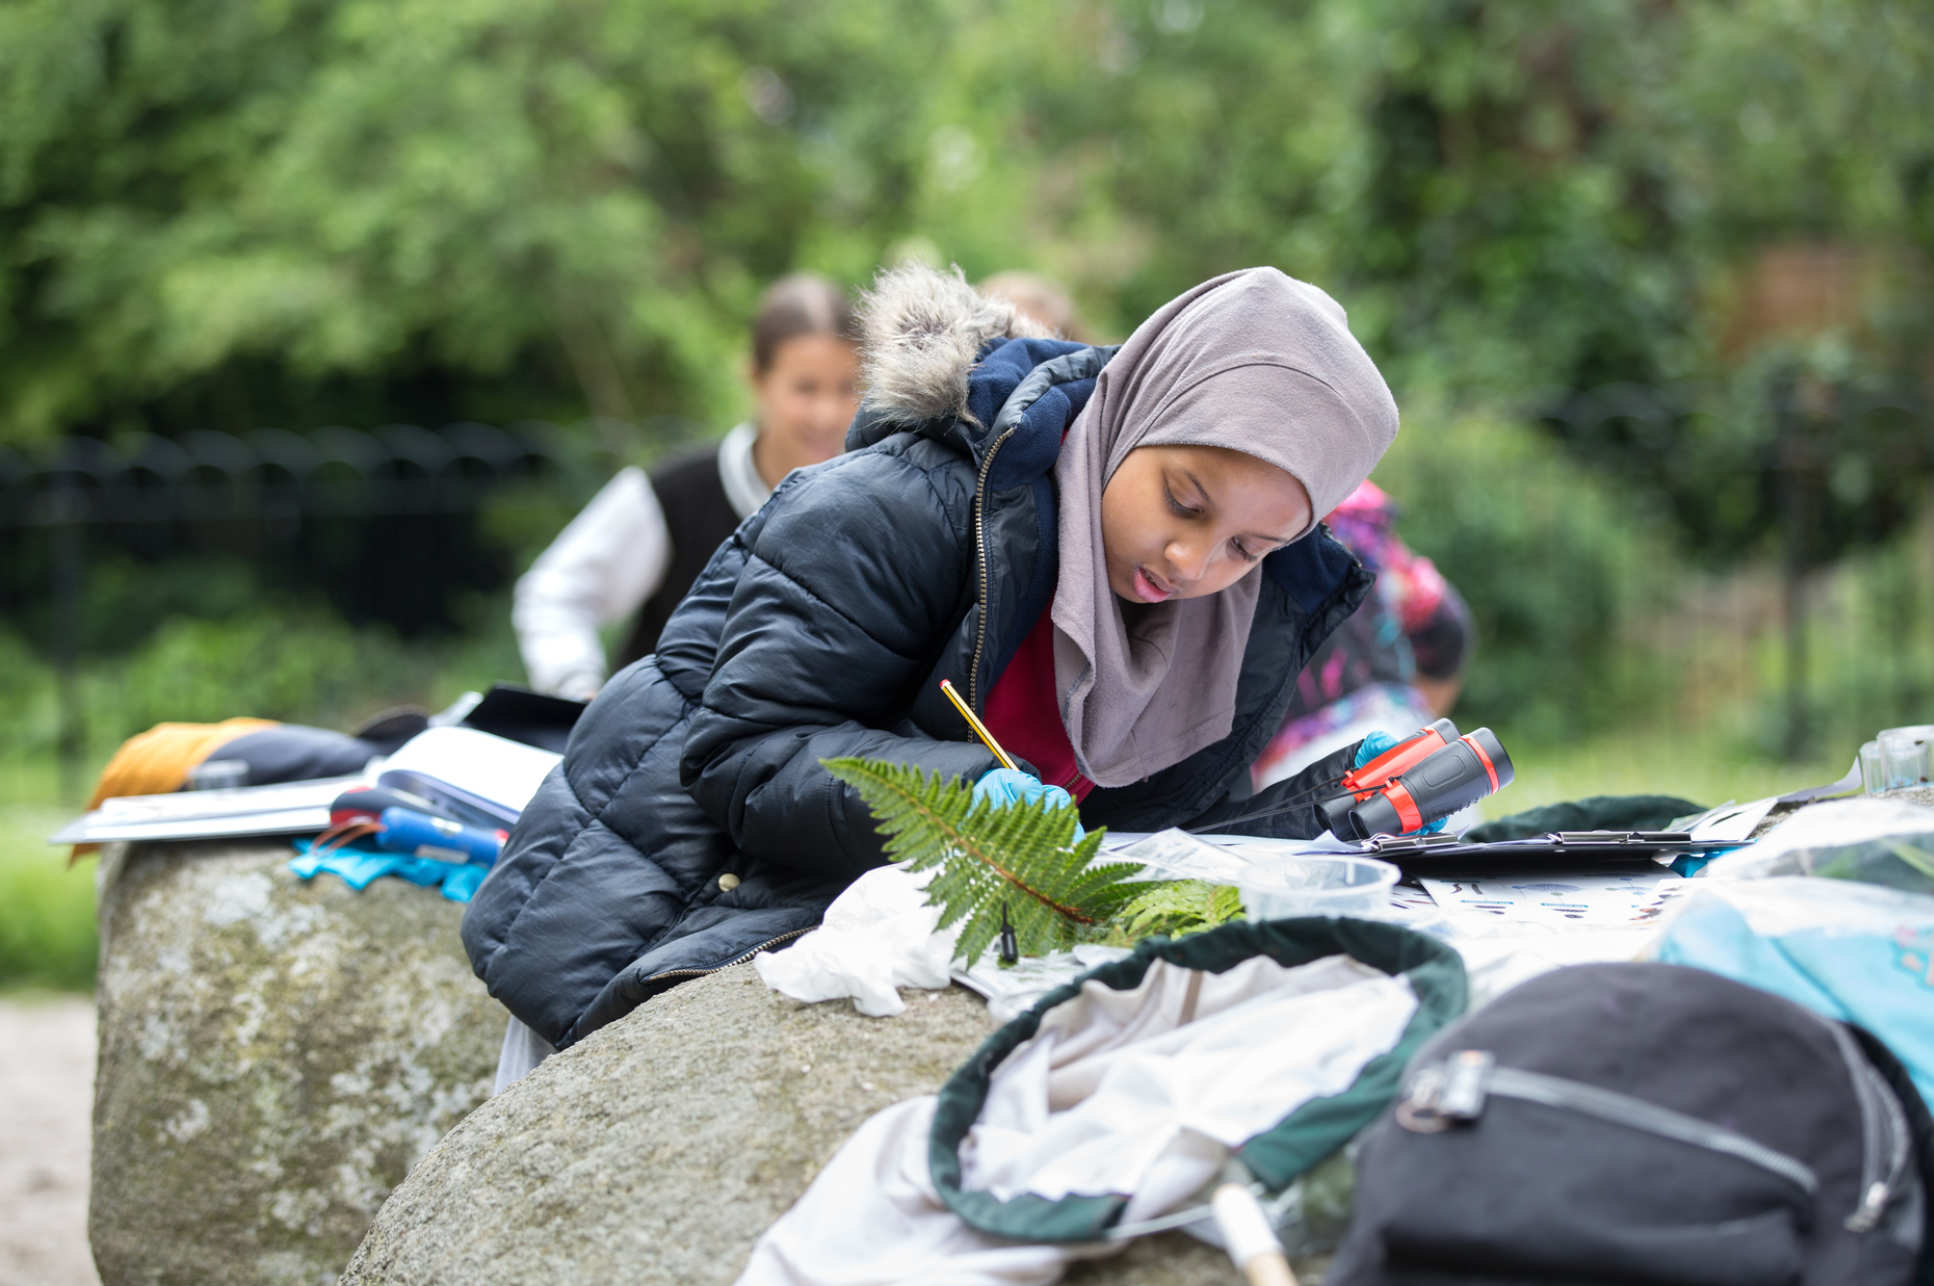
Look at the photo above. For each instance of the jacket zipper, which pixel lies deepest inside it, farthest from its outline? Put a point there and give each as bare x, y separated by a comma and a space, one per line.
980, 562
767, 945
1883, 1130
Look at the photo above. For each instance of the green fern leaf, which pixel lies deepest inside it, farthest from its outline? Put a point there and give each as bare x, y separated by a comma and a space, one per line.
1021, 859
1176, 908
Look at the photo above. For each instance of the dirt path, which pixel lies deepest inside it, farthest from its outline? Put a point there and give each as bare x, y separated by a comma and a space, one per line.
46, 1097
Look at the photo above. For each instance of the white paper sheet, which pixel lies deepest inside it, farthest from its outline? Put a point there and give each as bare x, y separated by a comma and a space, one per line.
1730, 823
286, 808
496, 769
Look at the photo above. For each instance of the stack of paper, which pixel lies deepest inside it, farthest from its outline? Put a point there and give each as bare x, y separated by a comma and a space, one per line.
472, 775
289, 808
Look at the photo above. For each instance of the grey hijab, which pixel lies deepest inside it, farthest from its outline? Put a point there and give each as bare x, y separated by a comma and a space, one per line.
1254, 361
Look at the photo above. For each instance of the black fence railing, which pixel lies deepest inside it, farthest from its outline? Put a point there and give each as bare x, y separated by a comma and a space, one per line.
1796, 489
401, 496
208, 476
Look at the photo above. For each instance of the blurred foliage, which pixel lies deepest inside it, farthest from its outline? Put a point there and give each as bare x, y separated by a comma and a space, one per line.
1556, 575
291, 212
274, 655
298, 211
47, 936
1868, 651
1806, 451
301, 213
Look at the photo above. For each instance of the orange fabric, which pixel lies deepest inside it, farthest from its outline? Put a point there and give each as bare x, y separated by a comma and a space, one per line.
159, 760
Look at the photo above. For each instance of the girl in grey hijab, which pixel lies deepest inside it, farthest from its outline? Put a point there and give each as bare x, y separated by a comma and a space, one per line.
1253, 378
1112, 554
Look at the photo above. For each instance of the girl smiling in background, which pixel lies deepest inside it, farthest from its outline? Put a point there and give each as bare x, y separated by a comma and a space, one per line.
636, 548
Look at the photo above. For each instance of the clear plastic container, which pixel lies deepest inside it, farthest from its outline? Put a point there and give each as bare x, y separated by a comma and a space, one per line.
1907, 755
1873, 769
1888, 842
1277, 878
1317, 884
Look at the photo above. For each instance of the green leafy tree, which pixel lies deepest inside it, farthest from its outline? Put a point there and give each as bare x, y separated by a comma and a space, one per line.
1518, 204
285, 213
296, 213
252, 214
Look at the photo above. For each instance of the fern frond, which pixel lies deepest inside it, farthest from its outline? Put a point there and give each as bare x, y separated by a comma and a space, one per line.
1019, 858
1177, 908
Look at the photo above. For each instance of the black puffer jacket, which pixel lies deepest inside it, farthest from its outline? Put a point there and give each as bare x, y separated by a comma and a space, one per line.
691, 823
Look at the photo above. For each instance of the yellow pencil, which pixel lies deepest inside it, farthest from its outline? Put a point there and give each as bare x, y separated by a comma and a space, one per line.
980, 729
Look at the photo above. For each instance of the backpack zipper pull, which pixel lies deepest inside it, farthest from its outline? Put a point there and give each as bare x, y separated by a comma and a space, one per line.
1873, 1202
1464, 1085
1446, 1094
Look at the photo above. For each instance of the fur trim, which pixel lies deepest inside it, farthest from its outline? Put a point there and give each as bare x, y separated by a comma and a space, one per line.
922, 329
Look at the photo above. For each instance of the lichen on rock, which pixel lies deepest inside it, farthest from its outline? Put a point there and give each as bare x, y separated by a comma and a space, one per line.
658, 1150
274, 1056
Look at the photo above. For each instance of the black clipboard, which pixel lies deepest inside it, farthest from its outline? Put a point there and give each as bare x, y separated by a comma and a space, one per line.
1431, 853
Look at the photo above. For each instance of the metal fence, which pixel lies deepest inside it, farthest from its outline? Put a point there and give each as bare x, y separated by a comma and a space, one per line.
63, 511
1840, 475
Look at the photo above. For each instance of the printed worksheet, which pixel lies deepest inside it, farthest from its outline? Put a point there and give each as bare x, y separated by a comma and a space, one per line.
1608, 894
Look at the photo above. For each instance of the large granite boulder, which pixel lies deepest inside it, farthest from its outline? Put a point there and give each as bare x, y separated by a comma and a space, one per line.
274, 1057
660, 1148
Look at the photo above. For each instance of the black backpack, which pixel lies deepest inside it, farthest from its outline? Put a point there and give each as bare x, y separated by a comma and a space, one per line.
1644, 1123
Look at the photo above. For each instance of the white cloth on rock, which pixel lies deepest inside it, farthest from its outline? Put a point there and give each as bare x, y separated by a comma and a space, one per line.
1142, 1092
880, 935
877, 936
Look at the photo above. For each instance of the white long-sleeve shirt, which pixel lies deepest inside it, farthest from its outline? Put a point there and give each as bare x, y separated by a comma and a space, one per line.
604, 565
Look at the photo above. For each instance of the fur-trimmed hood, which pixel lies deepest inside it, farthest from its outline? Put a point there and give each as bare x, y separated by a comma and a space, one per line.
922, 331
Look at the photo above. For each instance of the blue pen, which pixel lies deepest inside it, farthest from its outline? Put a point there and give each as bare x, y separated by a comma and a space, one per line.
405, 830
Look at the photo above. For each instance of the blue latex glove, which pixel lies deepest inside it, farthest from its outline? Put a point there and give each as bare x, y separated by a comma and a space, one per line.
1004, 786
1375, 744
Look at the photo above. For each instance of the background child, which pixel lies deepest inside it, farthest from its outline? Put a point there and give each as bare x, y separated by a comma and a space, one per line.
1128, 608
1396, 664
639, 544
1039, 298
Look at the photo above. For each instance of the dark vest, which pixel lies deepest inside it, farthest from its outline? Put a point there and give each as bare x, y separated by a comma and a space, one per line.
700, 518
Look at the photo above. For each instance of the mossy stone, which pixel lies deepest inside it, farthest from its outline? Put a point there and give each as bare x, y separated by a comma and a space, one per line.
274, 1056
656, 1151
